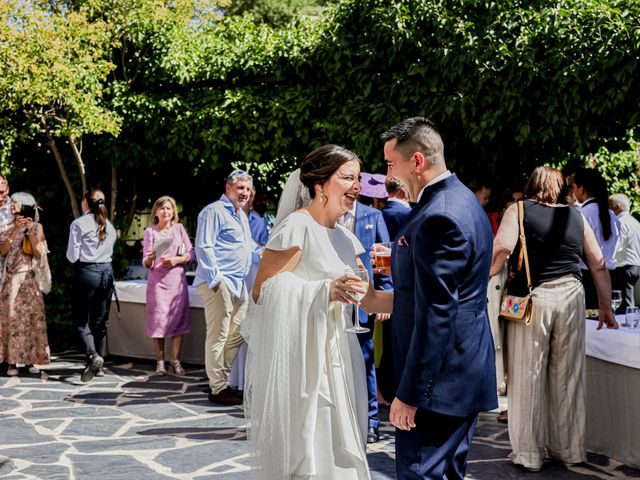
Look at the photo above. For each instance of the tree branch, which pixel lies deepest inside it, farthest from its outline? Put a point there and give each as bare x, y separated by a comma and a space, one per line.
63, 172
78, 157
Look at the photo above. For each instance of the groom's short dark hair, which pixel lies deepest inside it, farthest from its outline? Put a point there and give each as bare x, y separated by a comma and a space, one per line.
417, 134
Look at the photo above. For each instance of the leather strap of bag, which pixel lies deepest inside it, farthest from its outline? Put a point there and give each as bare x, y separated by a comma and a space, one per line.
523, 245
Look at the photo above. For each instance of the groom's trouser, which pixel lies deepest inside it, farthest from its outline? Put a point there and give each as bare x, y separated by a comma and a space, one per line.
438, 446
223, 315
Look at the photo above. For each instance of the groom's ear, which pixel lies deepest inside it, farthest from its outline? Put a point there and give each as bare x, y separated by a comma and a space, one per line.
419, 162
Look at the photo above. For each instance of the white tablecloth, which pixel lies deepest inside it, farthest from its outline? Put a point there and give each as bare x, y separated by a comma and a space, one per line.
620, 346
613, 392
126, 335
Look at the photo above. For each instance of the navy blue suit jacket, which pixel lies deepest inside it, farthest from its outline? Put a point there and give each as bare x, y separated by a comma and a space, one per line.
442, 343
369, 229
395, 214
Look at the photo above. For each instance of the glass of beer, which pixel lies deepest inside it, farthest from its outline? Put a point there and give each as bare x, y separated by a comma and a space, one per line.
382, 254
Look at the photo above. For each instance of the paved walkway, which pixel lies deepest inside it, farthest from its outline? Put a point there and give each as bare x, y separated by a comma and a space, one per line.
132, 424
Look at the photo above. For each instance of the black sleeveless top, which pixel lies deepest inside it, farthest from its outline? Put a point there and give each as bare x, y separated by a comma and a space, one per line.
554, 242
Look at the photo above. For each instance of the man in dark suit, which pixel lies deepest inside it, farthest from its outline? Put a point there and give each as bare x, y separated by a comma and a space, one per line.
442, 344
395, 212
368, 226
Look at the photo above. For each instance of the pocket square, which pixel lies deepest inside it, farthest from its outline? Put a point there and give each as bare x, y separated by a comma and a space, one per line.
402, 242
368, 226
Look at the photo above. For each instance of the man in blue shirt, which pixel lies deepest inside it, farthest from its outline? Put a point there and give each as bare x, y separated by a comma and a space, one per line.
224, 250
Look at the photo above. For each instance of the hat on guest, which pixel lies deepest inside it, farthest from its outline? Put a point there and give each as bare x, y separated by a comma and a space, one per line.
372, 185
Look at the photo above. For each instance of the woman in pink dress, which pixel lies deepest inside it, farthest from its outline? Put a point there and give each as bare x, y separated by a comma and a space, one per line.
166, 250
23, 327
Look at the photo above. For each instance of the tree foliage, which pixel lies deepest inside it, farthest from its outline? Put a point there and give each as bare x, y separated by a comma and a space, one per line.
167, 96
276, 13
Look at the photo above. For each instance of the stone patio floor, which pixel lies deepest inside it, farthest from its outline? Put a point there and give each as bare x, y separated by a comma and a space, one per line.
132, 424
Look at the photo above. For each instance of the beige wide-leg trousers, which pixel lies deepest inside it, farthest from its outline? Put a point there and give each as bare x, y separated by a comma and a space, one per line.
223, 316
546, 383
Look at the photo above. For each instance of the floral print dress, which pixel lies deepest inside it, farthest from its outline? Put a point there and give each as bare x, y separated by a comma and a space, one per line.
23, 328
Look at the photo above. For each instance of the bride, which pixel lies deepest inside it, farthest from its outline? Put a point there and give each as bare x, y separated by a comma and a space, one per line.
306, 395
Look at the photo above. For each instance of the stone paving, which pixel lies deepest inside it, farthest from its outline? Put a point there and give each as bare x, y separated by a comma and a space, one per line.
133, 424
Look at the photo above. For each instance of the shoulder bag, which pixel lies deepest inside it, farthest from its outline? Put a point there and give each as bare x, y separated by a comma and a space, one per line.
512, 307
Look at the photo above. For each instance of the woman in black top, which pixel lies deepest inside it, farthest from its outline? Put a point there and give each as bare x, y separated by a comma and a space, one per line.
546, 359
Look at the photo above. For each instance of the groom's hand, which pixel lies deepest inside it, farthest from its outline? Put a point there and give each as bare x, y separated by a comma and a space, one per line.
402, 415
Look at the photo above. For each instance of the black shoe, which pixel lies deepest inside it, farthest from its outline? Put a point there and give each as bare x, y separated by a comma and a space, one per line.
225, 397
237, 393
372, 435
93, 365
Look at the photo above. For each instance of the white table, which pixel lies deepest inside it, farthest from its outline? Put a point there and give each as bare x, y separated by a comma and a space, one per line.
613, 393
127, 337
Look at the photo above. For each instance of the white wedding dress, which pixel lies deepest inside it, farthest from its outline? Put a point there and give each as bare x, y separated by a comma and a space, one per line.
306, 384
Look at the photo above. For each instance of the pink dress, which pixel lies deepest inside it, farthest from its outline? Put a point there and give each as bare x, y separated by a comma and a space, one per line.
23, 327
167, 291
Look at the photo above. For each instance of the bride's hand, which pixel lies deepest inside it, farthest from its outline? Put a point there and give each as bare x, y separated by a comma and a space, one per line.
342, 291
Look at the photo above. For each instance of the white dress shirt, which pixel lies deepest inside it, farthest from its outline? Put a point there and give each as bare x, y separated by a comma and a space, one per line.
589, 210
439, 178
348, 219
628, 252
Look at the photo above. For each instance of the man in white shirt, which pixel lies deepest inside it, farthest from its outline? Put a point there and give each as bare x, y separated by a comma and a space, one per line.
627, 270
590, 189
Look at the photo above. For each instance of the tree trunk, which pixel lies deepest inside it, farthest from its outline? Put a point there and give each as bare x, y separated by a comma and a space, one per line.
65, 178
78, 155
114, 191
133, 206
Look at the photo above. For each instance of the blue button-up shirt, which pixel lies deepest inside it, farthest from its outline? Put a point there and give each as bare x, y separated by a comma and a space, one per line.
259, 228
224, 247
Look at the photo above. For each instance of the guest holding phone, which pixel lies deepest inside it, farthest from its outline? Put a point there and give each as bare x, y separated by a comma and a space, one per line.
90, 248
23, 328
166, 250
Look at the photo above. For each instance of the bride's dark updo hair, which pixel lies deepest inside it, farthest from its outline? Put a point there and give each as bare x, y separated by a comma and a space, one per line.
323, 162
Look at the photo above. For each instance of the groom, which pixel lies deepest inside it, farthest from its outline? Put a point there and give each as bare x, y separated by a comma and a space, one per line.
442, 344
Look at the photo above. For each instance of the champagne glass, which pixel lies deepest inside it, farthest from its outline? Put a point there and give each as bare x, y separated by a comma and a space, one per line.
616, 299
363, 283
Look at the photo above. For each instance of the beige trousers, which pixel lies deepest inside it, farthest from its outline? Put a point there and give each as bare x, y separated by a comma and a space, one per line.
546, 383
223, 316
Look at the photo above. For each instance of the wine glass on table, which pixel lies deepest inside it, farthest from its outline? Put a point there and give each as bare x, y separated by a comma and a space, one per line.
616, 300
363, 283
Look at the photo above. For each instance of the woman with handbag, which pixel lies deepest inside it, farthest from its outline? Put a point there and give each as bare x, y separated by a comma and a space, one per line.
23, 328
546, 357
166, 250
90, 248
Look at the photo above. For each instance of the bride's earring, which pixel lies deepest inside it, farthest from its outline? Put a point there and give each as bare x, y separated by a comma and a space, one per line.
322, 198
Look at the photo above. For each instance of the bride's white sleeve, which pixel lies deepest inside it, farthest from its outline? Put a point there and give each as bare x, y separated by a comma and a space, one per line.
290, 233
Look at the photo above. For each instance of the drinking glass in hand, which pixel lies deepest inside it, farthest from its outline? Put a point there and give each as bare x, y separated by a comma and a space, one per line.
632, 317
363, 283
382, 254
616, 299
